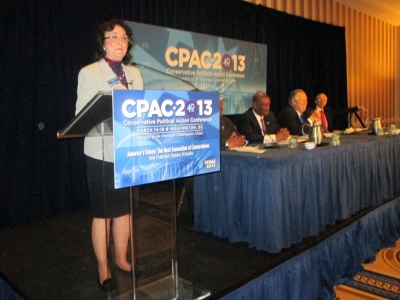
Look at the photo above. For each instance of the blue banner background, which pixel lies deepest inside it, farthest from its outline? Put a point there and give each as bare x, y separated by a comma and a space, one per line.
154, 146
237, 82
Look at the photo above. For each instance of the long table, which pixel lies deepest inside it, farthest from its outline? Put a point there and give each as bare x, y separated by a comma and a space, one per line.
275, 199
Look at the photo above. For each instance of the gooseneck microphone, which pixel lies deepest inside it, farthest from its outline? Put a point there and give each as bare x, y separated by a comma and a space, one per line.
165, 74
274, 143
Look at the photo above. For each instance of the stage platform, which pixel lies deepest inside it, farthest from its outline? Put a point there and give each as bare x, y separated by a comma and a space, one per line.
53, 259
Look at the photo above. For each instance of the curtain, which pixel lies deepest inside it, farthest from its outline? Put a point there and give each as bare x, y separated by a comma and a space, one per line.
45, 44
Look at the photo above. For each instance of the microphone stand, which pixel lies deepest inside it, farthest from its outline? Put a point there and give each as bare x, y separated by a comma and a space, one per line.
274, 144
195, 89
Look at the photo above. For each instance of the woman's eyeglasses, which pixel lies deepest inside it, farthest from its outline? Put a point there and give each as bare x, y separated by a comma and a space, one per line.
115, 38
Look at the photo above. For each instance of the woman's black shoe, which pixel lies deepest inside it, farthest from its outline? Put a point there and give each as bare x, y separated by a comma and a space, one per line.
109, 285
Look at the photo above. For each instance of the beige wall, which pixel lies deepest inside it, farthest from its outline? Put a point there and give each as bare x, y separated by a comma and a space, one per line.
372, 53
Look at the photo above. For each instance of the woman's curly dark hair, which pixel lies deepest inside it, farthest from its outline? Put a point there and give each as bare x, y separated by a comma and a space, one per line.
108, 26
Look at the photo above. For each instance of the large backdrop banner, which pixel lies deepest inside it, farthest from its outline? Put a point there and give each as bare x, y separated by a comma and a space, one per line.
236, 69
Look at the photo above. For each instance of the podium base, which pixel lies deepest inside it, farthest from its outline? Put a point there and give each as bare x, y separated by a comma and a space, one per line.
161, 290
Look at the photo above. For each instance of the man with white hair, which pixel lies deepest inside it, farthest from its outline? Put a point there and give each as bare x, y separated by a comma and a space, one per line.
296, 114
328, 114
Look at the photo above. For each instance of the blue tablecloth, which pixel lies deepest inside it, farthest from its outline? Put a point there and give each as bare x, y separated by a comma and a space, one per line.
7, 293
275, 199
313, 273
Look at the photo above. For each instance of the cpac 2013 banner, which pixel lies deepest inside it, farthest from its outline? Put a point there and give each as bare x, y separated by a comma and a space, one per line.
236, 69
162, 135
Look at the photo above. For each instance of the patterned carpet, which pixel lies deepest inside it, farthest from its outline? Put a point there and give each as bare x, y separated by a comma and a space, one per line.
377, 280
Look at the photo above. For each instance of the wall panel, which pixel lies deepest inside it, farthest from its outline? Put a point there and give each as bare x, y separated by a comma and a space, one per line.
372, 47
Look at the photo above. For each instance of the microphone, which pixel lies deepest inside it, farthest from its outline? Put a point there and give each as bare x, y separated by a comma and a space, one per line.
274, 143
166, 74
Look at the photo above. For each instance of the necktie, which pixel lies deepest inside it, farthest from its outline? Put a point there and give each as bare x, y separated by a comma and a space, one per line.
263, 127
324, 122
301, 119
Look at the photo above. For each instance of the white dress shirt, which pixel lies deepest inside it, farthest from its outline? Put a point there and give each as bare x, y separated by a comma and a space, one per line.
268, 138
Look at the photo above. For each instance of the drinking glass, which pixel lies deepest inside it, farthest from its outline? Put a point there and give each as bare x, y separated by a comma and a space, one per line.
392, 129
336, 140
293, 141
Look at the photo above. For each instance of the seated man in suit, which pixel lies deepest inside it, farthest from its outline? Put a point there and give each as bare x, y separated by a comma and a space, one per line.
296, 113
230, 137
258, 122
328, 114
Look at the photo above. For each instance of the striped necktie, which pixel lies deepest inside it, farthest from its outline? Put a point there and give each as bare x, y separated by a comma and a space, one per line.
263, 127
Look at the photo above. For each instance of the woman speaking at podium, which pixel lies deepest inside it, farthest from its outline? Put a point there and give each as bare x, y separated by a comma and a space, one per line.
110, 71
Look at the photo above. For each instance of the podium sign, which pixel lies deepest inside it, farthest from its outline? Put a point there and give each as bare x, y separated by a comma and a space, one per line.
161, 135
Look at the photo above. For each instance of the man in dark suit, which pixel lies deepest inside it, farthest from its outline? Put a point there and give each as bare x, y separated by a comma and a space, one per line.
328, 114
258, 122
229, 136
296, 113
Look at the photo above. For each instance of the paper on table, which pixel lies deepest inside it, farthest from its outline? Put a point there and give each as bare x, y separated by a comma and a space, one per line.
283, 142
328, 134
253, 149
299, 140
349, 130
302, 138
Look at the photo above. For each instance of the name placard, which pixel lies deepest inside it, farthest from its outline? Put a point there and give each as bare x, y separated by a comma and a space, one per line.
162, 135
